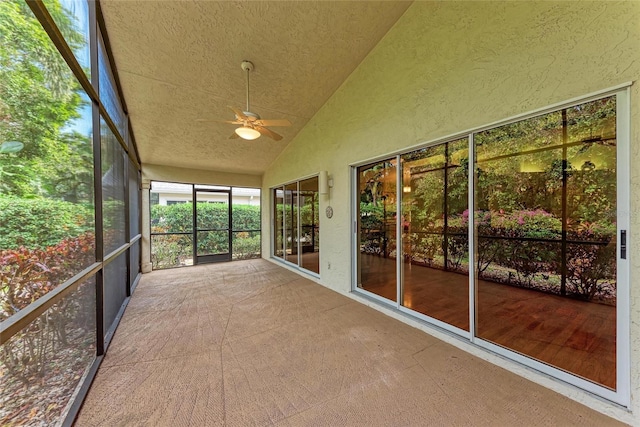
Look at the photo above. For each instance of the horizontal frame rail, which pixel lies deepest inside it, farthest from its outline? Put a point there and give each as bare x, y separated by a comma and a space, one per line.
524, 239
114, 254
14, 324
184, 233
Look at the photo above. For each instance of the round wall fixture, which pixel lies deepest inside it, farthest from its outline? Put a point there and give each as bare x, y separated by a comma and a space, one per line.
329, 211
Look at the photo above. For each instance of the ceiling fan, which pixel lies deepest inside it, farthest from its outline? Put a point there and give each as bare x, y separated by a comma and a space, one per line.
251, 125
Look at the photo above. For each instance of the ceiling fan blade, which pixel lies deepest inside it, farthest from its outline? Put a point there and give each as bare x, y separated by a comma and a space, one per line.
267, 122
234, 136
266, 132
239, 114
233, 122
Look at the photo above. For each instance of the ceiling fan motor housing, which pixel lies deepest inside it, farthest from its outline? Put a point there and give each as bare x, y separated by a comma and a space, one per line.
252, 116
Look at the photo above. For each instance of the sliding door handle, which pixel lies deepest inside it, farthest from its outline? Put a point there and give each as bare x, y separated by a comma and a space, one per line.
623, 244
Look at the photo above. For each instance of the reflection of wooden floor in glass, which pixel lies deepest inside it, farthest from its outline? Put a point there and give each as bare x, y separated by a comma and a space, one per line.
576, 336
309, 261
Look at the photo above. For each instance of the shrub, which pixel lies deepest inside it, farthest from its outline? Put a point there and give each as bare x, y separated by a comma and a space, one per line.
591, 268
28, 274
246, 246
179, 217
173, 250
246, 217
40, 223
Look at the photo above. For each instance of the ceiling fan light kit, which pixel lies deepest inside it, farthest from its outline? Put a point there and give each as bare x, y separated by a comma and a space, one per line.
247, 133
251, 125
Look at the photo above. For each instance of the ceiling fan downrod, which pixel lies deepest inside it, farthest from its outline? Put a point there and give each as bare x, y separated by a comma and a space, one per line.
248, 67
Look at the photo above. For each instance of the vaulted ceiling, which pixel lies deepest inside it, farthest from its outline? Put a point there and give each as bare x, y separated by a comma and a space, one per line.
179, 61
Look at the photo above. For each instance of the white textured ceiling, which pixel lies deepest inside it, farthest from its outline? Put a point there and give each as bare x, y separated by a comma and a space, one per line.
179, 61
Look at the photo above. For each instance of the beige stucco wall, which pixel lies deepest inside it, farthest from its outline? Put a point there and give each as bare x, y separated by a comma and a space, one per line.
198, 176
451, 66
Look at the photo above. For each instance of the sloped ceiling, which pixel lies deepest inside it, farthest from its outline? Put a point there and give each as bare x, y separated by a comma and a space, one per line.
179, 61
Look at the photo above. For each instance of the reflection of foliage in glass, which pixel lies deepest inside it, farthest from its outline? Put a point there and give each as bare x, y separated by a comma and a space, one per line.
520, 197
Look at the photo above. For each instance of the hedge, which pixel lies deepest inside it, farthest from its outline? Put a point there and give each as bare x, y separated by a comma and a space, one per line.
40, 223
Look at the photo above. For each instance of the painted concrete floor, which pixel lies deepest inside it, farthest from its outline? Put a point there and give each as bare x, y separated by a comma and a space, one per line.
249, 343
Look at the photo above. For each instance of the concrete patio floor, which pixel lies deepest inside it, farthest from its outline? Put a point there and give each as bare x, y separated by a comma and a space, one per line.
251, 343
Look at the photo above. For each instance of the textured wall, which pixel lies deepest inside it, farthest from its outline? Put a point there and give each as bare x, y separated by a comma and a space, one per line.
450, 66
198, 176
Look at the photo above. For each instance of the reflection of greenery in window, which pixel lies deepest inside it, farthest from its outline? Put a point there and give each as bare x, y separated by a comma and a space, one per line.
549, 179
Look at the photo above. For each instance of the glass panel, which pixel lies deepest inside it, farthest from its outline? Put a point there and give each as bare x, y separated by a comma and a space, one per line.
42, 366
108, 95
278, 215
310, 224
213, 242
377, 228
113, 190
436, 245
546, 224
171, 207
246, 244
291, 222
46, 164
115, 289
72, 19
171, 250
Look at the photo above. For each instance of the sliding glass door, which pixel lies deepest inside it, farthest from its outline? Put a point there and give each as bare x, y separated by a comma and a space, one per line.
296, 229
546, 232
377, 251
435, 232
542, 278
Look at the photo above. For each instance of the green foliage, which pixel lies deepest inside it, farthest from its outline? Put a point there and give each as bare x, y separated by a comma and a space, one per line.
171, 250
39, 223
174, 250
172, 218
246, 217
25, 276
39, 96
246, 245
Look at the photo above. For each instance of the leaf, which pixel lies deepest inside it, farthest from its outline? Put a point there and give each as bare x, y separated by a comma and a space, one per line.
11, 147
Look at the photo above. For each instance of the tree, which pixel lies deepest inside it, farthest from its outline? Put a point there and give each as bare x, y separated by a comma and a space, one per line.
39, 96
